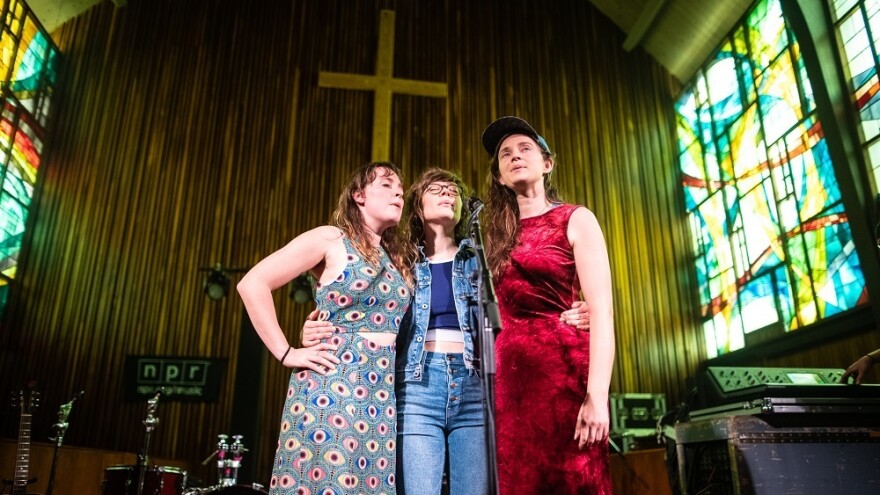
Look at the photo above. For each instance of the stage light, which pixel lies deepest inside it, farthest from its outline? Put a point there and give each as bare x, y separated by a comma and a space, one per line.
216, 284
302, 289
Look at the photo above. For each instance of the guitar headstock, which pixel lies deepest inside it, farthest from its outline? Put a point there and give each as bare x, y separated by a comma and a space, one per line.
26, 400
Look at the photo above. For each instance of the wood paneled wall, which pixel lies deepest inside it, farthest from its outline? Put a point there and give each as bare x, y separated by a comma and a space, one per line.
192, 132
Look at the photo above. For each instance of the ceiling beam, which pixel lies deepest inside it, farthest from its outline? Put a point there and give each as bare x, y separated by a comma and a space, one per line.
643, 24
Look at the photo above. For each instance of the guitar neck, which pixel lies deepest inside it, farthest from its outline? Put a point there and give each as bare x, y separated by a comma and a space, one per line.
23, 455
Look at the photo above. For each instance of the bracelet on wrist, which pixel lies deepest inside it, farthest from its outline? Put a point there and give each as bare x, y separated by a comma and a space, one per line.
871, 358
289, 348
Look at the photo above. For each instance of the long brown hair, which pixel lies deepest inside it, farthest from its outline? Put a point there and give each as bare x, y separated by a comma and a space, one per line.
502, 211
413, 209
348, 218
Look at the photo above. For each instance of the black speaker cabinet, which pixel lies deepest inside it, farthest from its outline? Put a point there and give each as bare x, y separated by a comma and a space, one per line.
754, 455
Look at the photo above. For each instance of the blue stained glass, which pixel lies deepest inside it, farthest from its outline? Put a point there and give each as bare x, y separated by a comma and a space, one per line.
771, 238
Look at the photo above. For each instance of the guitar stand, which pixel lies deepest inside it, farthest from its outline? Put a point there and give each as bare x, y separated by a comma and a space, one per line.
59, 429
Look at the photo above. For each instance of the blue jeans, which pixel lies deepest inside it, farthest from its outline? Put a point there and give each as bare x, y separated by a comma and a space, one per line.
438, 416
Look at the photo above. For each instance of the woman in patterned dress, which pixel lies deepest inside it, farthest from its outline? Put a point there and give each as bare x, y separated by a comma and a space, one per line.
552, 381
338, 428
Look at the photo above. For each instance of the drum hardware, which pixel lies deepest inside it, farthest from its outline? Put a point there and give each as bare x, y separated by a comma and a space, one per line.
150, 423
252, 489
141, 479
58, 430
229, 457
157, 480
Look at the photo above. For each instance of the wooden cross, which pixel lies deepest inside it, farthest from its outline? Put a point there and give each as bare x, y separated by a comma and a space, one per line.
384, 85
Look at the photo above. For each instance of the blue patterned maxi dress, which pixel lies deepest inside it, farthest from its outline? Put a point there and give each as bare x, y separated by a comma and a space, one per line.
338, 431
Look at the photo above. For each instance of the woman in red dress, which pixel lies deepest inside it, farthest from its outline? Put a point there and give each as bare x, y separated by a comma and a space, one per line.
552, 380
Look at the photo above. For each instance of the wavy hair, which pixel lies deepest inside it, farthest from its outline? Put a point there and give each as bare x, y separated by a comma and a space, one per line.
348, 218
413, 212
502, 211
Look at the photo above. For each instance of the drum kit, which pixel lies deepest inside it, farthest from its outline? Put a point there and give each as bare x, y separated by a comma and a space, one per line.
142, 479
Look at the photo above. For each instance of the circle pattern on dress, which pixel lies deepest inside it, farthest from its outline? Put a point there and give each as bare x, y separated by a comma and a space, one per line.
338, 430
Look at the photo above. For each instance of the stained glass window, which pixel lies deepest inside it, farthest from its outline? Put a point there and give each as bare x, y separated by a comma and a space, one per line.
773, 247
28, 61
858, 32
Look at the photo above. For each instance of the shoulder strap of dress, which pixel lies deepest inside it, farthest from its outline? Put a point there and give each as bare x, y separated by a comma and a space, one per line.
564, 212
350, 248
347, 242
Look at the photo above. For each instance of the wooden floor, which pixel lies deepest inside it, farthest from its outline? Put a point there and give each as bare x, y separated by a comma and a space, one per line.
640, 472
80, 471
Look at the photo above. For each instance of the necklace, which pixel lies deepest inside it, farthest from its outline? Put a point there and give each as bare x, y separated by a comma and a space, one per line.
545, 210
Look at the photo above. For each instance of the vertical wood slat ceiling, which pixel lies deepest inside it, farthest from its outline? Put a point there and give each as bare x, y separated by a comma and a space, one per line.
194, 132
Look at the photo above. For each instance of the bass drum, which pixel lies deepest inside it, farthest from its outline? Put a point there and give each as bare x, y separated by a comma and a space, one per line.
158, 480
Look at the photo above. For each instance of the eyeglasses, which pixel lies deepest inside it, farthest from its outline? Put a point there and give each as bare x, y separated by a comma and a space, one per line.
439, 188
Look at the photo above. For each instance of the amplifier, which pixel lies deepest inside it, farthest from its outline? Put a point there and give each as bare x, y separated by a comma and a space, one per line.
636, 414
740, 455
724, 391
731, 380
720, 385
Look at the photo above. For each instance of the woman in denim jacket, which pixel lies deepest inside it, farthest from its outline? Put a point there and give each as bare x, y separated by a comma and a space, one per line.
439, 393
438, 388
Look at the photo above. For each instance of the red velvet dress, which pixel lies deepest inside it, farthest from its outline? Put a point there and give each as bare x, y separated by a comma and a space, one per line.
542, 366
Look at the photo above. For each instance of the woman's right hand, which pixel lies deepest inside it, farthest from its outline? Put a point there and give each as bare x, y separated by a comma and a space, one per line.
578, 316
314, 331
317, 358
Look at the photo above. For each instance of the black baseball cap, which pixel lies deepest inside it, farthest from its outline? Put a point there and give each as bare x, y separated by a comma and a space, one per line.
505, 126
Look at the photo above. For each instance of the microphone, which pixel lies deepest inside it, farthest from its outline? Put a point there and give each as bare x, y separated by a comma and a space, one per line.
76, 396
474, 204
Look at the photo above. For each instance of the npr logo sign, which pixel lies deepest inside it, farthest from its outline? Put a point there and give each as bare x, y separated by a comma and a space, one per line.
165, 371
180, 378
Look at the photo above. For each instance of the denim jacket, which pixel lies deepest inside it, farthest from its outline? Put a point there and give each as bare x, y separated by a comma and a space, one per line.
411, 338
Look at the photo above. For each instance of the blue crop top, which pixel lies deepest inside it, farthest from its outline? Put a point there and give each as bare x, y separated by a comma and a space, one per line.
443, 314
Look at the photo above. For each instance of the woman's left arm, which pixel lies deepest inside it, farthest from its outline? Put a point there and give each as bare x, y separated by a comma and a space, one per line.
594, 272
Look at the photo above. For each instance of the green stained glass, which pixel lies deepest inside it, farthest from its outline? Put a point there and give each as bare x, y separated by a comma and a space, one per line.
4, 294
687, 122
695, 184
773, 246
28, 73
809, 100
857, 24
763, 230
840, 7
765, 28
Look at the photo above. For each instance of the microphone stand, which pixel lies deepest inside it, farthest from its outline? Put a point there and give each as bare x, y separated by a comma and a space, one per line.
489, 322
60, 428
149, 423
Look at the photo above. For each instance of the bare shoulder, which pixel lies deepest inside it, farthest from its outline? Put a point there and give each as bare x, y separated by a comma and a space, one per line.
307, 251
313, 244
582, 214
582, 221
325, 240
327, 233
